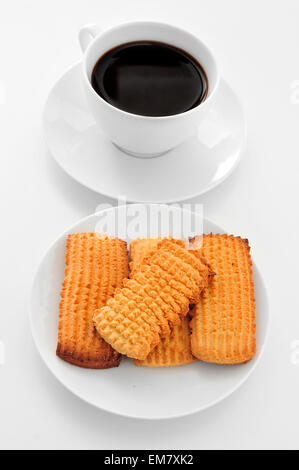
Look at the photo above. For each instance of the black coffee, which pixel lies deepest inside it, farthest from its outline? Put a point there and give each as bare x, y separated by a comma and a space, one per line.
150, 78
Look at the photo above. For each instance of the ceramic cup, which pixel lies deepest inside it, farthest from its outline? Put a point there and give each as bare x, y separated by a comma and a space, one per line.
144, 136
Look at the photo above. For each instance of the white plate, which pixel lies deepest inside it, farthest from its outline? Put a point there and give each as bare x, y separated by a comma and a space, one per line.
128, 390
90, 158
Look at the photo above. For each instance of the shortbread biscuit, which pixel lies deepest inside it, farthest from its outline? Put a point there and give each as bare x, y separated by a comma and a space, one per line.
139, 249
223, 323
95, 266
175, 349
153, 301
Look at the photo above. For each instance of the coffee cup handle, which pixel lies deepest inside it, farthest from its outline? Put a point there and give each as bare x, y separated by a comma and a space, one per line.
87, 34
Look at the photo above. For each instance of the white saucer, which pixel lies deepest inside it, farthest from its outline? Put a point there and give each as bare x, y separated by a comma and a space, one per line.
90, 158
138, 392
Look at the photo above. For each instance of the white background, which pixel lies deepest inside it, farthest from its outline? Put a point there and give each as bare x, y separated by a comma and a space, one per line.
256, 43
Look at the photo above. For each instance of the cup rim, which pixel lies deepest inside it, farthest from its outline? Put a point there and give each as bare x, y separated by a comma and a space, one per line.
142, 116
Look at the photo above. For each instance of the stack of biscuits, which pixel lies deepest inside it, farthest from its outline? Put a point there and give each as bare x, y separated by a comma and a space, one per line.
174, 303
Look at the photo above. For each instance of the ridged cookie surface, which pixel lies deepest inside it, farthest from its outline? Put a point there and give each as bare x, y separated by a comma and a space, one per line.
153, 301
139, 249
175, 349
223, 323
95, 266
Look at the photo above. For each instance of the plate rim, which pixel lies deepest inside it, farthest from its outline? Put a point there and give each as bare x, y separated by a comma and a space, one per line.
209, 187
125, 414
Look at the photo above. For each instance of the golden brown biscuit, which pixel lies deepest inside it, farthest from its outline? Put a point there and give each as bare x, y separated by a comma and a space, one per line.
175, 349
153, 301
139, 249
223, 323
95, 266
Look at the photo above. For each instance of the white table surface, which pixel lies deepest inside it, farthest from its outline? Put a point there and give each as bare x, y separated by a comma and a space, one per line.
256, 43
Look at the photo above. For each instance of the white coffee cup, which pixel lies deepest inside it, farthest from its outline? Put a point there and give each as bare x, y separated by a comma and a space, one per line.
145, 136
